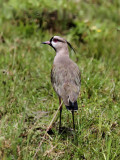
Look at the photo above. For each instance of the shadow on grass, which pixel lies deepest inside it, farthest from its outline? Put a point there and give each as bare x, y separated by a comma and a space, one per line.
64, 133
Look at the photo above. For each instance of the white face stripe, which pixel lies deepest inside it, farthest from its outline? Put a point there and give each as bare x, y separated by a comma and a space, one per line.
54, 44
58, 42
59, 39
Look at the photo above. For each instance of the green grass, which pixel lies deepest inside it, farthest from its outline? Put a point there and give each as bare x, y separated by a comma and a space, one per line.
27, 99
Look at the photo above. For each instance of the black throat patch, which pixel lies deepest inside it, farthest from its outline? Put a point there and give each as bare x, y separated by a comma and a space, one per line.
51, 44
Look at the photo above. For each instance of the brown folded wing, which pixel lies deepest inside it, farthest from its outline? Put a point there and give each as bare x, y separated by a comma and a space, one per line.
65, 78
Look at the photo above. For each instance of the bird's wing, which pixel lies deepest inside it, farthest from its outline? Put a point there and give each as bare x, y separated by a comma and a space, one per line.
66, 81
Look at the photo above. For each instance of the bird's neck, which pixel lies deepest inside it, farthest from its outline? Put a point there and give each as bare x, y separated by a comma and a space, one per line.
62, 52
60, 55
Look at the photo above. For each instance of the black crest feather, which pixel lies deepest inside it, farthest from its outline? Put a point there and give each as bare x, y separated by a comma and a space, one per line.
71, 47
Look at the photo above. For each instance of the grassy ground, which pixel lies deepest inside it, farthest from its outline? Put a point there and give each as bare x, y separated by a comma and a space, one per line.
27, 99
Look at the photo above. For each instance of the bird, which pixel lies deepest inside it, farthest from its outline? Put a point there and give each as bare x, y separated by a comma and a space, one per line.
65, 75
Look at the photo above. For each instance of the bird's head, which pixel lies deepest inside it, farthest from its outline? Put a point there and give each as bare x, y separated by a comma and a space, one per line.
58, 43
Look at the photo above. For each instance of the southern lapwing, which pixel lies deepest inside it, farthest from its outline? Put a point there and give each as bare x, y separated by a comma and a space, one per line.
65, 75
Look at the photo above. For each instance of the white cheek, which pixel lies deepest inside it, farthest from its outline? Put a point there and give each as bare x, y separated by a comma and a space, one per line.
54, 44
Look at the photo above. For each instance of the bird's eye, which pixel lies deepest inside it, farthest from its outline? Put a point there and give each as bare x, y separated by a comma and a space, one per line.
55, 40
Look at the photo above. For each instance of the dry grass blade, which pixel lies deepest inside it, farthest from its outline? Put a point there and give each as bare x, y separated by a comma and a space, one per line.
48, 128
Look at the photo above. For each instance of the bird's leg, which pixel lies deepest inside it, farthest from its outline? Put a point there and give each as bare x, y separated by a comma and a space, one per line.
60, 113
73, 119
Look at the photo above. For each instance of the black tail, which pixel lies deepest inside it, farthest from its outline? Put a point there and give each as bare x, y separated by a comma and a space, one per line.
72, 106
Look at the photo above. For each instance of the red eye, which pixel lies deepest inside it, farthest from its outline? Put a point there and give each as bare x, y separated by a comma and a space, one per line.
55, 40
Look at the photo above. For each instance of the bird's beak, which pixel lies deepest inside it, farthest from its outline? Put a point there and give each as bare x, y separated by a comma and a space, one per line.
47, 42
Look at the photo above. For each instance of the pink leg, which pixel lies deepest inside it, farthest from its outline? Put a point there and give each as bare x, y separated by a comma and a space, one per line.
73, 119
60, 113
